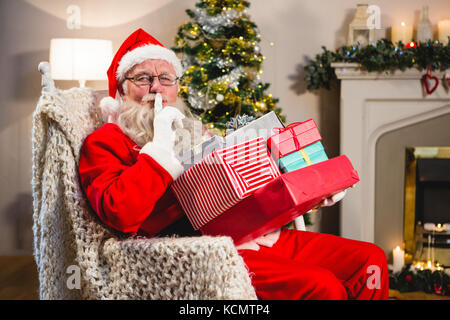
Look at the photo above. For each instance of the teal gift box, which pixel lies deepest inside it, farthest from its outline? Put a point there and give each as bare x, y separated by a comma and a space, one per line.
314, 153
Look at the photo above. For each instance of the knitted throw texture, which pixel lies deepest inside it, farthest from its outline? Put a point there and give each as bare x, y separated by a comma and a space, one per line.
67, 232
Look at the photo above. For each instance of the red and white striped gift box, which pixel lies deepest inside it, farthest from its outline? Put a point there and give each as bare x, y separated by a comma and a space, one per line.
222, 179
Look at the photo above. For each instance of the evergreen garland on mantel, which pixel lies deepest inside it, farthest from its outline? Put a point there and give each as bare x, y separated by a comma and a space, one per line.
380, 56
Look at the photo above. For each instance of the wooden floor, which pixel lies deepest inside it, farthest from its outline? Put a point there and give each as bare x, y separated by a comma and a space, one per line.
18, 278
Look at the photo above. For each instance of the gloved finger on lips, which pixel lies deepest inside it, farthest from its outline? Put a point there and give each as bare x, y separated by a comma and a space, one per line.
158, 103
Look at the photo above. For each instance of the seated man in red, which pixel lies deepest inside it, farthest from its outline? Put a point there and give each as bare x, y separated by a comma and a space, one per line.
127, 166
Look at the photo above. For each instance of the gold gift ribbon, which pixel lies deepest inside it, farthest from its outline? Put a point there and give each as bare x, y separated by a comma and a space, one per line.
306, 157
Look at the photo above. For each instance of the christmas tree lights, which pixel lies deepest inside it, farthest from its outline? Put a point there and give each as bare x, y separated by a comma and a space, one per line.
221, 56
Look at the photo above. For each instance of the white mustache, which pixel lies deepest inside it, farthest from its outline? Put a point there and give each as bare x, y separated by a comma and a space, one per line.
150, 98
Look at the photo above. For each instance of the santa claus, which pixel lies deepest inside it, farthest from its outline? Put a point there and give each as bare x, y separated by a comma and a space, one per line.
128, 164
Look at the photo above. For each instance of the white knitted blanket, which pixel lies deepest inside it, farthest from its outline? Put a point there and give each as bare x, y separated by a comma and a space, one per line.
67, 233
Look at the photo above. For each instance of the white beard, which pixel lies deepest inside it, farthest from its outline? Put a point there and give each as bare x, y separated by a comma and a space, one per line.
136, 121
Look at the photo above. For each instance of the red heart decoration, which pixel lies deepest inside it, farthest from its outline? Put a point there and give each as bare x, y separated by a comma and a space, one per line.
425, 80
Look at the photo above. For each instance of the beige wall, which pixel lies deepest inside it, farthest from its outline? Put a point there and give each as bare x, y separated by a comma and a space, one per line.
298, 29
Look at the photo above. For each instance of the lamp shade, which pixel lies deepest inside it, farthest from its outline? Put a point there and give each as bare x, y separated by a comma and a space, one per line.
80, 59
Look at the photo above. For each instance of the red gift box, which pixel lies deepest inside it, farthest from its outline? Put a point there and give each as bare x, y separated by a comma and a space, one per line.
293, 138
283, 199
222, 179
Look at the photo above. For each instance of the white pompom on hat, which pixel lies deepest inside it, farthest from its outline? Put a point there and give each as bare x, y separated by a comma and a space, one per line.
137, 48
109, 107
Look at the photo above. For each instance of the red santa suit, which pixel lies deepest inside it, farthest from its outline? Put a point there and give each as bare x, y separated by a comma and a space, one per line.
130, 192
128, 188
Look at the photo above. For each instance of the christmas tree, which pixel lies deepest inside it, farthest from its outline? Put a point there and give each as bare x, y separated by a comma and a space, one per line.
221, 56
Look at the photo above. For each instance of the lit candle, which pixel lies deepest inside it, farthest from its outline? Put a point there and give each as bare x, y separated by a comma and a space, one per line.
401, 33
399, 259
432, 248
444, 31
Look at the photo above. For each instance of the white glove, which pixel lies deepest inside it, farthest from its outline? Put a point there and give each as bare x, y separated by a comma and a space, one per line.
163, 133
161, 148
267, 240
332, 200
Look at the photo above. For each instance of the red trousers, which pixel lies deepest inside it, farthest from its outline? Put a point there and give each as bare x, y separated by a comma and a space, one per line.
308, 265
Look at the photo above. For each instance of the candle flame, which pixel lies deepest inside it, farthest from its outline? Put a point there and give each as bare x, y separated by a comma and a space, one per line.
403, 24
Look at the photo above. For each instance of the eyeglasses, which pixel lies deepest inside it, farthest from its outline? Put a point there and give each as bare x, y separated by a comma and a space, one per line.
146, 80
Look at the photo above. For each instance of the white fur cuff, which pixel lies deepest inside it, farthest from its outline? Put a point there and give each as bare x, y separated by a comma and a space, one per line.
165, 159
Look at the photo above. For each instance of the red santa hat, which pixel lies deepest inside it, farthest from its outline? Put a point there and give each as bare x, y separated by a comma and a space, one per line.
137, 48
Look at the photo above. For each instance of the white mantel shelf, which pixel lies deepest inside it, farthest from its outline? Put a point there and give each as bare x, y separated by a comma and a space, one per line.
346, 71
372, 104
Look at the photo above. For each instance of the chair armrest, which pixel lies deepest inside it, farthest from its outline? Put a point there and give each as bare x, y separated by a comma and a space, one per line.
177, 268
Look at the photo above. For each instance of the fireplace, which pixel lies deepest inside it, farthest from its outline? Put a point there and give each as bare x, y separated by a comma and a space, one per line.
427, 205
395, 185
382, 114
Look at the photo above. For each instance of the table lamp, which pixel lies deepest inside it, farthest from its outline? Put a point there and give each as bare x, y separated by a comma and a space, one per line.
80, 59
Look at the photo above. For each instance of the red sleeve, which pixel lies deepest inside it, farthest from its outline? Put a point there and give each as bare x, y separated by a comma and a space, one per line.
121, 192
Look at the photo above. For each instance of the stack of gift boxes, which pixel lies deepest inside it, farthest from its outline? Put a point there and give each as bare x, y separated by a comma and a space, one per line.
297, 146
258, 178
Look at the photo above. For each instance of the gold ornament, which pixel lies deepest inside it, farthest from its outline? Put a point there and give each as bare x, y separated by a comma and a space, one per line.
231, 98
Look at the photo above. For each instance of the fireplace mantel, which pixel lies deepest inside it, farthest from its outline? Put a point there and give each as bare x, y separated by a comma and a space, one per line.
372, 104
349, 71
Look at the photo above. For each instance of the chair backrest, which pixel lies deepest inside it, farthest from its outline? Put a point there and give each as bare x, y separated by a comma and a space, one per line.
66, 232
